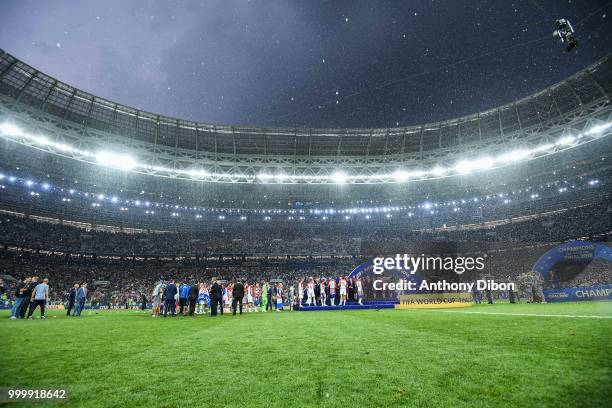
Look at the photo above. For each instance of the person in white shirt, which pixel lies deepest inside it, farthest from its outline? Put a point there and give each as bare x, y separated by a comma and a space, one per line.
342, 292
156, 299
249, 298
311, 293
323, 294
359, 286
301, 292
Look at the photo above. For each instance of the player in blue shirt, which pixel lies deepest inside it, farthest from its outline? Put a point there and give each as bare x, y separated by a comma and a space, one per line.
183, 297
40, 295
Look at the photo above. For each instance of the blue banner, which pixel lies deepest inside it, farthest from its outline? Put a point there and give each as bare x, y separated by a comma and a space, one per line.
599, 292
572, 251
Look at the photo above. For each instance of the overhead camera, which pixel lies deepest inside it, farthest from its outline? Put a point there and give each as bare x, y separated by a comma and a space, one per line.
565, 32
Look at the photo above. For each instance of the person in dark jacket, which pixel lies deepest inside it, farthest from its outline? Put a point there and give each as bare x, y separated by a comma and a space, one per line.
21, 297
269, 296
169, 296
71, 298
216, 294
317, 290
143, 302
237, 294
192, 296
3, 295
27, 303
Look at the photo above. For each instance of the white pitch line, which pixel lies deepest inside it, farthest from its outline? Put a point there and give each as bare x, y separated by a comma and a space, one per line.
517, 314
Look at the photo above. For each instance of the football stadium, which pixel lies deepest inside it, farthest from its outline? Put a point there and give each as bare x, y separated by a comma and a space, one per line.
150, 260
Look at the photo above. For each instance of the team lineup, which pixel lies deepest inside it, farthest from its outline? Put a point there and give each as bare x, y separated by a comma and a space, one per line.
168, 298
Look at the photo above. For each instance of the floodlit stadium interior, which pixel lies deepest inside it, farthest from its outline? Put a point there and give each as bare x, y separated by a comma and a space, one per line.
111, 216
84, 177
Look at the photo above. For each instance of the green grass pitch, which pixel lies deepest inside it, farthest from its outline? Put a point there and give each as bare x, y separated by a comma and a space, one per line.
500, 355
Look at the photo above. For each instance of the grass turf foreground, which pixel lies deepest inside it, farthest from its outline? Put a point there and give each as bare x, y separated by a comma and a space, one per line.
343, 358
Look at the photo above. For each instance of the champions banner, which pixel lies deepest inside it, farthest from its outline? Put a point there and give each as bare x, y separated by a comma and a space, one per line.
600, 292
573, 250
434, 300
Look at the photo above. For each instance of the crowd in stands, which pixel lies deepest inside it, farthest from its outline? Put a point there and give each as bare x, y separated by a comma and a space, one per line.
121, 267
57, 237
279, 239
598, 272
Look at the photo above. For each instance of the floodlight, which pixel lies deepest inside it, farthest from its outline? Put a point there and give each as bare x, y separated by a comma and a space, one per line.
438, 171
483, 163
197, 173
281, 177
565, 141
401, 175
264, 176
463, 167
514, 155
39, 140
119, 161
339, 177
599, 128
10, 129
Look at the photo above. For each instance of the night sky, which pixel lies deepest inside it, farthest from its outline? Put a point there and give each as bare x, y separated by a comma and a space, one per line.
306, 63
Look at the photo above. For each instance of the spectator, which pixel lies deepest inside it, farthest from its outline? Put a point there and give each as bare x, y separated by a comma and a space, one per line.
216, 294
170, 293
71, 298
81, 296
21, 296
237, 295
192, 296
39, 298
183, 297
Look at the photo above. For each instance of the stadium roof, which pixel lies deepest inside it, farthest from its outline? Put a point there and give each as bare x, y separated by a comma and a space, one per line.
210, 152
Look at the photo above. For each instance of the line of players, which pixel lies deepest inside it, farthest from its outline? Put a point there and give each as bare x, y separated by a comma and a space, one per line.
317, 292
195, 299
